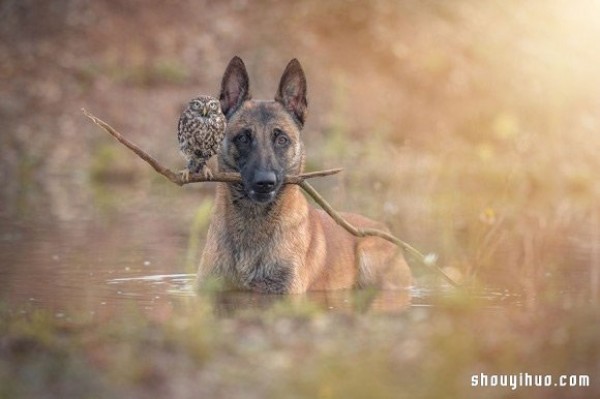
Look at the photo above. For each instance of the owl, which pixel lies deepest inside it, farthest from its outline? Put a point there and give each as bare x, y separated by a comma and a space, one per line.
200, 132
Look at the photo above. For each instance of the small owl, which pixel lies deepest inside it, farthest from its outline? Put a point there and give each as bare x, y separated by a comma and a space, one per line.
200, 131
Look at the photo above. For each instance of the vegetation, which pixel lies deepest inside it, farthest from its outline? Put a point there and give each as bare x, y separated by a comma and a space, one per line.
294, 348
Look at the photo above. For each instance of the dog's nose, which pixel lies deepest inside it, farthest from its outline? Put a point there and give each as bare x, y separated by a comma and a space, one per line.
264, 182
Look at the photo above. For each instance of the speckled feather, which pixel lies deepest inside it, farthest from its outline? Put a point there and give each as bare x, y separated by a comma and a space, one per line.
200, 131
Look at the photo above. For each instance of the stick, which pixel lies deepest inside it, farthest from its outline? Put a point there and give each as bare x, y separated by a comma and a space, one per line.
372, 232
299, 180
194, 178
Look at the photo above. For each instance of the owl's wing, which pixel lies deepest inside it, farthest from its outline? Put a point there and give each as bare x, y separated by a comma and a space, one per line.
180, 128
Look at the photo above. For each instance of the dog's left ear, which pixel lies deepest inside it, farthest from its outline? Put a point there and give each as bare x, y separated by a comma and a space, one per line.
235, 87
292, 91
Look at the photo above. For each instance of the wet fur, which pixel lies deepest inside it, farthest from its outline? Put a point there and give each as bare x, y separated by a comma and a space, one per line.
282, 245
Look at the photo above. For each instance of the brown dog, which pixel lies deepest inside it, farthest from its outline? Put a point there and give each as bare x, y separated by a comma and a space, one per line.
263, 235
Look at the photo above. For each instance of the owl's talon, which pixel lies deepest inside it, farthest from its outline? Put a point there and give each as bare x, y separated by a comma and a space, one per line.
185, 175
206, 172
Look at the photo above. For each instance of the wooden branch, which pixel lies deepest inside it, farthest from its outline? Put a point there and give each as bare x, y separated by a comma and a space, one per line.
358, 232
194, 178
299, 180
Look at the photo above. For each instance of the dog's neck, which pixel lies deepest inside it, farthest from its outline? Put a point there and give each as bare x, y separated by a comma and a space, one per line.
245, 215
238, 204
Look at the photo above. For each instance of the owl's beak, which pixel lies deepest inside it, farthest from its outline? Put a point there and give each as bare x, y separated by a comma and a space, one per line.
204, 110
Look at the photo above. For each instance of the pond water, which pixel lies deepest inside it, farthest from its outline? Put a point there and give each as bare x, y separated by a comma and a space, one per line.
68, 249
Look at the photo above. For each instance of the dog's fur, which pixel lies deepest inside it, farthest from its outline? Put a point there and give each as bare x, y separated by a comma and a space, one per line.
263, 235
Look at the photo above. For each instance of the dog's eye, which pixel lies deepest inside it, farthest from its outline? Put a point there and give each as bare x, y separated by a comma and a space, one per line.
243, 138
281, 140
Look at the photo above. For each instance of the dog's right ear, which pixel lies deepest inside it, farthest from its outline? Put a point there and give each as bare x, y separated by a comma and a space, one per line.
235, 87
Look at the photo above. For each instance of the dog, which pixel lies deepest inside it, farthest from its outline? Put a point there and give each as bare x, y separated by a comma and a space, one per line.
263, 236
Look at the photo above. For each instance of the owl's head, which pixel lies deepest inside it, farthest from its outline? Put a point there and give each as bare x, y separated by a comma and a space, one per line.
205, 105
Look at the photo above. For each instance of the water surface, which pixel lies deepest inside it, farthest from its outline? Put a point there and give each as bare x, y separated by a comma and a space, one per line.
139, 252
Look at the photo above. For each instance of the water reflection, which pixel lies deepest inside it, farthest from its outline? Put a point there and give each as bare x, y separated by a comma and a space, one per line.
150, 289
157, 294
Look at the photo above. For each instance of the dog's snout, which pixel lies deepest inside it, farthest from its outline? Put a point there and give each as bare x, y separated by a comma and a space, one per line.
264, 182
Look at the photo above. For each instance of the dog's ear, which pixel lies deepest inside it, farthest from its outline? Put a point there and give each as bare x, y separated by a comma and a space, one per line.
292, 91
235, 87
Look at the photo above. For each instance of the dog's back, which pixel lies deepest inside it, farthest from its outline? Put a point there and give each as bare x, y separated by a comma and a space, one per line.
263, 234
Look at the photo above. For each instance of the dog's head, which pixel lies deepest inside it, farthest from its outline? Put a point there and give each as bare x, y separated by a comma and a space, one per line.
262, 140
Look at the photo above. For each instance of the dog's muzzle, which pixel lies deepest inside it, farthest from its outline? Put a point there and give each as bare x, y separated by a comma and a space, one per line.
263, 187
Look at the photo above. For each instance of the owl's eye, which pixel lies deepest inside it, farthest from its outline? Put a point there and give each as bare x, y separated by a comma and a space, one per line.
195, 105
214, 106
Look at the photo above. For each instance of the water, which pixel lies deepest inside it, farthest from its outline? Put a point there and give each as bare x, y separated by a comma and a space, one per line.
103, 263
90, 256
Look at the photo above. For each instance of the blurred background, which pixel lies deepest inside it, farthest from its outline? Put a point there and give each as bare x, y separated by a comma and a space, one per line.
470, 127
